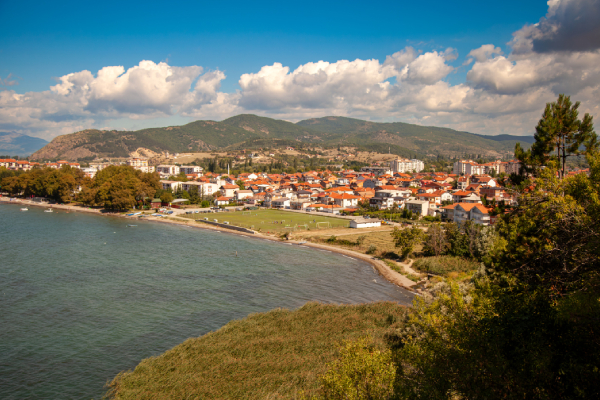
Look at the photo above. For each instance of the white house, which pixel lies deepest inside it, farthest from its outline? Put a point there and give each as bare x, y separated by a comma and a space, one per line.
471, 212
364, 223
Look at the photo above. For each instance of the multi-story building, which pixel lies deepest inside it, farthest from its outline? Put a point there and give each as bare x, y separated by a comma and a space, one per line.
191, 169
140, 163
168, 170
405, 165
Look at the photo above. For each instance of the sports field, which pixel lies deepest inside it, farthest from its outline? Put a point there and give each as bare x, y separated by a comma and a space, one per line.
274, 221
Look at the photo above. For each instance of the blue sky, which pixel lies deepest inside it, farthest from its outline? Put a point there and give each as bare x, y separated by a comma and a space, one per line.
43, 41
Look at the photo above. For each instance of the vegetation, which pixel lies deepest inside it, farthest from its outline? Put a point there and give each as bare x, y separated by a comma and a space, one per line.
253, 132
56, 184
446, 266
270, 355
114, 188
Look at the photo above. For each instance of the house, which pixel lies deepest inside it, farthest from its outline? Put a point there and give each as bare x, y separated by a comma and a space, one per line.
243, 194
364, 223
281, 202
229, 190
447, 212
222, 201
418, 207
156, 203
471, 212
345, 199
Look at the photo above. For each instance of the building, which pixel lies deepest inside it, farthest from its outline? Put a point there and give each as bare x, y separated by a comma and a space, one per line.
419, 207
364, 223
168, 170
402, 165
140, 164
474, 212
191, 169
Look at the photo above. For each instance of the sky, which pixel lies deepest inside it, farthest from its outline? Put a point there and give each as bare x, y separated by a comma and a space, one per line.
482, 67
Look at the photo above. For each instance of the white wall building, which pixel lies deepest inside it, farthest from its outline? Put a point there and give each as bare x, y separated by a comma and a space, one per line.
403, 165
191, 169
168, 170
140, 163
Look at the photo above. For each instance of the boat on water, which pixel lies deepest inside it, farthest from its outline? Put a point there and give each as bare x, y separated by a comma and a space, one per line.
48, 210
130, 226
25, 209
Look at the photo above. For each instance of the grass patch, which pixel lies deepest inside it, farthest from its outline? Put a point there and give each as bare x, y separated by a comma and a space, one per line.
269, 355
272, 221
447, 266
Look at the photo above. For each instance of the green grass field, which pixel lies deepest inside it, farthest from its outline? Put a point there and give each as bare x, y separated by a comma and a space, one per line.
273, 221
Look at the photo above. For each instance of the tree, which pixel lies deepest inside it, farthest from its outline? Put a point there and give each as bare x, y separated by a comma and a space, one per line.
559, 134
407, 239
435, 242
361, 373
166, 197
240, 184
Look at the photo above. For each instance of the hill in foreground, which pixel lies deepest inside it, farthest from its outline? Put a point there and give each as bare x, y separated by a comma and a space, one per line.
252, 132
269, 355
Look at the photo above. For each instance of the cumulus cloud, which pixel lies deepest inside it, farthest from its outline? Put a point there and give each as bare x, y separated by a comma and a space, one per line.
503, 93
81, 99
569, 25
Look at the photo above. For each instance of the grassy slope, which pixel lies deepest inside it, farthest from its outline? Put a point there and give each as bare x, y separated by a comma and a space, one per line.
268, 355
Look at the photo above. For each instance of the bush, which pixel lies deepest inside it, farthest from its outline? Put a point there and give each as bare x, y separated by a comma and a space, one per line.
444, 265
372, 249
361, 372
331, 239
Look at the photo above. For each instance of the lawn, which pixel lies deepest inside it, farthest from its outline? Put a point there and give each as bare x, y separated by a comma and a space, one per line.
273, 221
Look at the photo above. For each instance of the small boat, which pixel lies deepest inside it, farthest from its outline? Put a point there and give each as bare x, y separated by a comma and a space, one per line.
24, 209
48, 210
130, 226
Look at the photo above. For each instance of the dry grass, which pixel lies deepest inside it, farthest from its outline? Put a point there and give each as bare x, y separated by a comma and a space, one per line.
272, 355
447, 266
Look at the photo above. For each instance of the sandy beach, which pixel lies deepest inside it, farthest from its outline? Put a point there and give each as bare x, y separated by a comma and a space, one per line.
384, 270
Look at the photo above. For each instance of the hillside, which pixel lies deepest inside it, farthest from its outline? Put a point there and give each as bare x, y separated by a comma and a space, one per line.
271, 355
417, 138
252, 132
15, 144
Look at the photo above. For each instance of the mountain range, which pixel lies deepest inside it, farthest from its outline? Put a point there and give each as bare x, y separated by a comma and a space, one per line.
16, 144
249, 131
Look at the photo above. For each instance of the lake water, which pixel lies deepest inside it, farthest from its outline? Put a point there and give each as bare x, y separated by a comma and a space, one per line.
83, 297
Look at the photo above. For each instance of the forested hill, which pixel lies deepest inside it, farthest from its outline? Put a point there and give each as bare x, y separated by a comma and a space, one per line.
423, 139
248, 131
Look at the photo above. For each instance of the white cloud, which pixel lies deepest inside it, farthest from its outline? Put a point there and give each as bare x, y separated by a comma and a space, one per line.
503, 93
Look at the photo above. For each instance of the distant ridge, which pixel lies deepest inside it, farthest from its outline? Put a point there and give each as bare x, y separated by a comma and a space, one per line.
16, 144
248, 131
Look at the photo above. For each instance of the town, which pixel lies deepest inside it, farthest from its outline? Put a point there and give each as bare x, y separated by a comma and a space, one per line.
470, 192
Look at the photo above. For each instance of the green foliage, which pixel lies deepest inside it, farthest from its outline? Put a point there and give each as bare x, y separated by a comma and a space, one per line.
553, 237
166, 197
445, 265
331, 239
407, 239
559, 134
120, 188
56, 184
371, 250
361, 373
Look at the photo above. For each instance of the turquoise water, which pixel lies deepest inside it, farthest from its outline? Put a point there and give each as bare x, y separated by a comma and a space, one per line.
83, 297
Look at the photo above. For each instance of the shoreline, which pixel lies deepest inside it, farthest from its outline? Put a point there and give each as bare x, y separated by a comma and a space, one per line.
382, 269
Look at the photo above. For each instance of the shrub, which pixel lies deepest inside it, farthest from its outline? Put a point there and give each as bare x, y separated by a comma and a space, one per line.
445, 265
361, 372
331, 239
372, 249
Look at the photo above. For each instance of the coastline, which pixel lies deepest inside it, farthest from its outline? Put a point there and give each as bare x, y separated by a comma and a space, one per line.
384, 270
